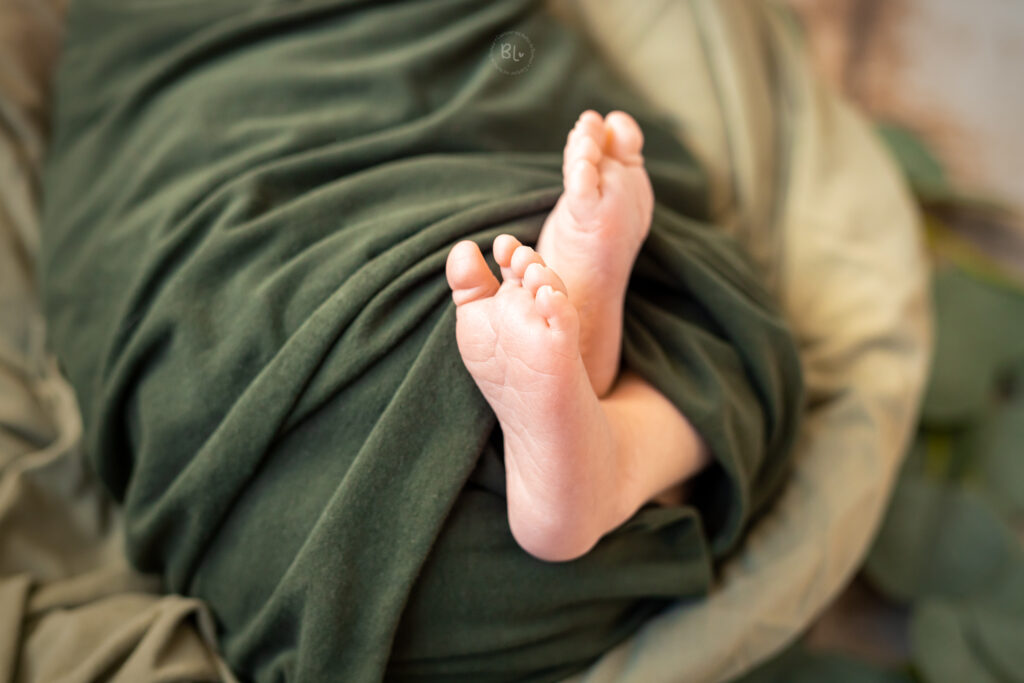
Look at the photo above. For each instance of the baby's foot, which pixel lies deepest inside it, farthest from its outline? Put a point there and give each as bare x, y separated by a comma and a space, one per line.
595, 231
520, 342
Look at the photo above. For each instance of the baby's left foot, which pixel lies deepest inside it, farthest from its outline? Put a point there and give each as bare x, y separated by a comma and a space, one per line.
520, 342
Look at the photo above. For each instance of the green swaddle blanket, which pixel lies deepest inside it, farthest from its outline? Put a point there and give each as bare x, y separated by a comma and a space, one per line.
247, 212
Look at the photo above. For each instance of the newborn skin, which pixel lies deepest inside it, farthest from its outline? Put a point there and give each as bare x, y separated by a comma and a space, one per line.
592, 237
580, 457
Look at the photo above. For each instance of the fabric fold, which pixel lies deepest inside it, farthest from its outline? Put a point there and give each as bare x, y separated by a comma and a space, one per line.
247, 213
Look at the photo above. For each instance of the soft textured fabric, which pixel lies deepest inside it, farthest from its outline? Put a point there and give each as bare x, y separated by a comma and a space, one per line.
949, 552
247, 211
678, 54
809, 192
71, 608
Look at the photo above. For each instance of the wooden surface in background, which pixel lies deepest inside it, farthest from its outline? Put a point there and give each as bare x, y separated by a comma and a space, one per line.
951, 70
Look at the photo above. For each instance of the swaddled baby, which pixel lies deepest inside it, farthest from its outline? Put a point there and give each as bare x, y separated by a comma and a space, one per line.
250, 213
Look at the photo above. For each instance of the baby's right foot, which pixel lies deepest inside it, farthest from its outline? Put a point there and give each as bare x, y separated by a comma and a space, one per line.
593, 235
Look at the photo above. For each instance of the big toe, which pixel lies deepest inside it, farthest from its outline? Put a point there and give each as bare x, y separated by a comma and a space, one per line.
468, 275
625, 139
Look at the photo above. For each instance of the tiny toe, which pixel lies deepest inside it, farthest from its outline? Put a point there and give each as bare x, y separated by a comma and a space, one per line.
537, 276
581, 148
503, 247
625, 139
585, 142
522, 258
583, 181
591, 124
554, 306
585, 148
592, 128
468, 274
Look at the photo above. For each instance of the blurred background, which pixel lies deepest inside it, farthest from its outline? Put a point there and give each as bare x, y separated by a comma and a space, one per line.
949, 70
940, 596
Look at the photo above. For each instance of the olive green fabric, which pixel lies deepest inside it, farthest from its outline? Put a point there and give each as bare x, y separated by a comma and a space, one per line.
247, 210
797, 664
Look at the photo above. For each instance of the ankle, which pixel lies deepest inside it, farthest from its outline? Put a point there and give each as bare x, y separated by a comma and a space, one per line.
601, 344
630, 493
